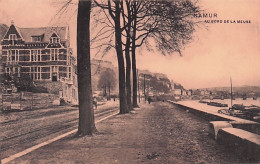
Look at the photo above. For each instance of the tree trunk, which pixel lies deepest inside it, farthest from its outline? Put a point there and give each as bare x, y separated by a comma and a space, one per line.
128, 63
128, 76
109, 97
134, 77
134, 59
120, 60
105, 90
86, 124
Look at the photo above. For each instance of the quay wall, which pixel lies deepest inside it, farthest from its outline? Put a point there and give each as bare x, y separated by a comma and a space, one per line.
247, 125
241, 136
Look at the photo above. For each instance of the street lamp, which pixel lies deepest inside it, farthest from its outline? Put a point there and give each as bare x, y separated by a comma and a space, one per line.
144, 89
138, 78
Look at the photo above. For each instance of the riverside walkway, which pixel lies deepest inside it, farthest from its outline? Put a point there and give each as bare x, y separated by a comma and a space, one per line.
154, 133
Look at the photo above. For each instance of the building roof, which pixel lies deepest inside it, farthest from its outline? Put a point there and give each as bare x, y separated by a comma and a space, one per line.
3, 30
45, 32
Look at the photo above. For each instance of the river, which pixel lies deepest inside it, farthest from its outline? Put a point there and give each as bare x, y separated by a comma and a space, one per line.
205, 107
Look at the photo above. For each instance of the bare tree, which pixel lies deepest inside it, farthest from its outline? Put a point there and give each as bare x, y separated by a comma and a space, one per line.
86, 124
107, 81
105, 34
169, 23
127, 20
114, 10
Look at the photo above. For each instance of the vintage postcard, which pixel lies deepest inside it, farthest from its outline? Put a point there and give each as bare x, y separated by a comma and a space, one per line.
129, 81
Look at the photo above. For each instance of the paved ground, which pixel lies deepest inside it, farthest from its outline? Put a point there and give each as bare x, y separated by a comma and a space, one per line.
155, 133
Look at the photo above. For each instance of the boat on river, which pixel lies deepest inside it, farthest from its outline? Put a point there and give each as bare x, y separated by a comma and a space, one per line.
251, 112
204, 102
217, 104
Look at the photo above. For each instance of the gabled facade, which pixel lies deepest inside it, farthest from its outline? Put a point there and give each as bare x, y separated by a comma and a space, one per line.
43, 53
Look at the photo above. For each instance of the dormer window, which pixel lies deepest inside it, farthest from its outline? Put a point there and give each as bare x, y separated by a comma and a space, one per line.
12, 37
54, 38
36, 38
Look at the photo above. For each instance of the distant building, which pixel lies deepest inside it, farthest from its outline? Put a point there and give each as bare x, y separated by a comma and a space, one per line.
202, 92
177, 92
43, 53
196, 92
189, 92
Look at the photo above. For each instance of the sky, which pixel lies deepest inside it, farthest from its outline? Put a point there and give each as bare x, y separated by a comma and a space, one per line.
217, 52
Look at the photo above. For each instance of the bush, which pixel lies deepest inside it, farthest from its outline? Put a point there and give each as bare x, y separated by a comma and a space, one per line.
39, 89
113, 96
24, 83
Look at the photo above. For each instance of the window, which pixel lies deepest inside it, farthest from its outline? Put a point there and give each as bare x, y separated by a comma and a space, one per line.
54, 70
17, 55
54, 40
39, 57
54, 54
69, 72
12, 56
19, 71
36, 73
12, 37
36, 38
62, 55
39, 73
35, 55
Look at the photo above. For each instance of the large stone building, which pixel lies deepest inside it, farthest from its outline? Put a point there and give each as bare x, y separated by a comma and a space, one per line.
43, 53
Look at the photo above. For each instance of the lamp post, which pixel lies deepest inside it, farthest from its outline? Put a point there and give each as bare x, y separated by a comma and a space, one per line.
138, 86
144, 85
144, 90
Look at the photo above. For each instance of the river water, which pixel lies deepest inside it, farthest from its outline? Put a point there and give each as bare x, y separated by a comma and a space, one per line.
247, 102
205, 107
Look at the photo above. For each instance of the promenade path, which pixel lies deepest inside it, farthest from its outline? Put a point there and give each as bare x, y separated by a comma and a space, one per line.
154, 133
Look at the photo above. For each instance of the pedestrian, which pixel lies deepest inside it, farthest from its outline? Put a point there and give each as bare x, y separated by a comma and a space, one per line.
95, 102
149, 100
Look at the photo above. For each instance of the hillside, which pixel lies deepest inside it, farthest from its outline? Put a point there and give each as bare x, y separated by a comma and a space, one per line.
157, 81
98, 66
